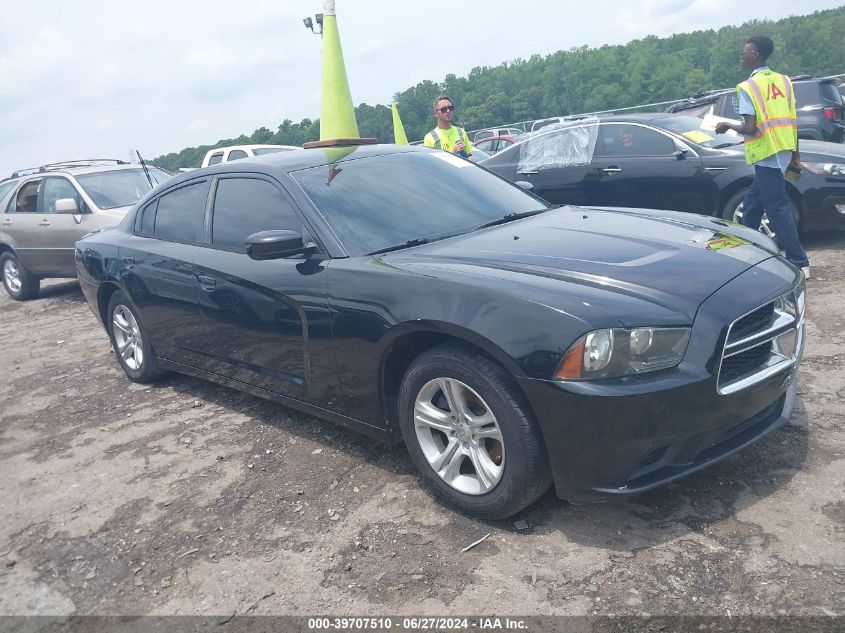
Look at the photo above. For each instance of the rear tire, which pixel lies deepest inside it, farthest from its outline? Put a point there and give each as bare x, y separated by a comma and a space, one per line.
470, 433
21, 284
130, 341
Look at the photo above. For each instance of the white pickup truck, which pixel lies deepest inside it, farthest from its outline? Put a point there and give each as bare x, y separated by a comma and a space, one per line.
234, 152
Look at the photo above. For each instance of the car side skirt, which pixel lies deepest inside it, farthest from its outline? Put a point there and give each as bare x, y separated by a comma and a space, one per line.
380, 434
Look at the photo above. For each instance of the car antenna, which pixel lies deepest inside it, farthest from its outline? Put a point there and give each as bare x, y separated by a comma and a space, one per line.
146, 171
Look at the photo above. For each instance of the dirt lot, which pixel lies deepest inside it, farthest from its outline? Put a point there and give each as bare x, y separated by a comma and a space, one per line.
188, 498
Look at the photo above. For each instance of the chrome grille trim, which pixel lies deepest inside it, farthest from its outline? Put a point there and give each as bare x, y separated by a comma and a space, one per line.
766, 342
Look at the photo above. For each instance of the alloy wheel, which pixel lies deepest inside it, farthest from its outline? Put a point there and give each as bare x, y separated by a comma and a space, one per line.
12, 275
459, 436
764, 223
127, 337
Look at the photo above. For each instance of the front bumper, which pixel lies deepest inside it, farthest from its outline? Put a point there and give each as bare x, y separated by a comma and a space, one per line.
628, 435
606, 446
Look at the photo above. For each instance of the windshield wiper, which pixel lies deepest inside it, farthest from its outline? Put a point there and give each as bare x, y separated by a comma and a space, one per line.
417, 241
723, 145
510, 217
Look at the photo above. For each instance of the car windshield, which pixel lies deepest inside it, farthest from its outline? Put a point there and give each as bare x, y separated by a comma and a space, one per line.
120, 188
698, 131
382, 201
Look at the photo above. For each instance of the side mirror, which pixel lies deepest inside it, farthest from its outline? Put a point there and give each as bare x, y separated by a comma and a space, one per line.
277, 245
524, 184
680, 154
66, 206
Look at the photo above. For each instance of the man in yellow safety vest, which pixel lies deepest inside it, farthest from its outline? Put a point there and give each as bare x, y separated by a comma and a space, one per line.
447, 136
770, 126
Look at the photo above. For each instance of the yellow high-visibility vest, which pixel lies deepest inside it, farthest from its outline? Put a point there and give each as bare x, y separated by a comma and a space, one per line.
777, 121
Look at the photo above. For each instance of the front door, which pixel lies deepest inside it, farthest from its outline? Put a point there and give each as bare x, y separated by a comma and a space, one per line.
267, 321
637, 166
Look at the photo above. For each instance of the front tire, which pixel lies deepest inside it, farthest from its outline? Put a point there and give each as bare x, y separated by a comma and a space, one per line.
732, 211
21, 284
470, 433
131, 342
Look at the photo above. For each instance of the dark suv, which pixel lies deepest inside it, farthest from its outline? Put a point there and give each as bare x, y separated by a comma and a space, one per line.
820, 107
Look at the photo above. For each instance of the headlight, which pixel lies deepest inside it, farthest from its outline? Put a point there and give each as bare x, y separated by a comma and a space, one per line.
617, 352
826, 169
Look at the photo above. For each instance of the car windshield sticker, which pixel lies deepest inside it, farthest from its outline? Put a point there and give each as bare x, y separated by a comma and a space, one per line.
724, 240
457, 161
697, 136
564, 145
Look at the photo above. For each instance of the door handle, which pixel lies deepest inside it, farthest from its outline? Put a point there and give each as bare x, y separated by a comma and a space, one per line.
44, 223
207, 283
612, 170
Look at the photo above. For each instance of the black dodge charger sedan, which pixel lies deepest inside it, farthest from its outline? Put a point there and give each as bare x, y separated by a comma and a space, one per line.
415, 296
665, 161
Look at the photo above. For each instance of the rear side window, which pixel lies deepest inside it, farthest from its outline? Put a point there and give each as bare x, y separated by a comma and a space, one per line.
830, 92
27, 199
180, 213
235, 154
243, 206
216, 159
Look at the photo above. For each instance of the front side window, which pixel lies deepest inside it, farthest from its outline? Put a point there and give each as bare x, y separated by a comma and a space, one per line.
26, 201
243, 206
180, 213
56, 189
381, 201
120, 188
235, 154
216, 159
632, 140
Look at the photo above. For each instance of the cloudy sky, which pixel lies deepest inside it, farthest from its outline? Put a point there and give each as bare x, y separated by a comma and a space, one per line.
96, 79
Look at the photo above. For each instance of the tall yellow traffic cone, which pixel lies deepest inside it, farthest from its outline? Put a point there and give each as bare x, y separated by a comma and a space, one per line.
337, 114
398, 129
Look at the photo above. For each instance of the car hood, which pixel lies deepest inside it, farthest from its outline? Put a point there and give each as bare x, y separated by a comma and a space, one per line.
671, 259
812, 150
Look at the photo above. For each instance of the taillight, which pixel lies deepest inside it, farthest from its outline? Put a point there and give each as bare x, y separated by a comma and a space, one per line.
833, 114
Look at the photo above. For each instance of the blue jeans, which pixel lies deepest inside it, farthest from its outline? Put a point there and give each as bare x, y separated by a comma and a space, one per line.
768, 193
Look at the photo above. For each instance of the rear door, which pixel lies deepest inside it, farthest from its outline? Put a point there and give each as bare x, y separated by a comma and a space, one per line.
557, 164
267, 321
158, 271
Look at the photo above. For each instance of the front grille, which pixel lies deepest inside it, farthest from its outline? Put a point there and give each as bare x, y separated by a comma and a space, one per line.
734, 367
762, 342
755, 321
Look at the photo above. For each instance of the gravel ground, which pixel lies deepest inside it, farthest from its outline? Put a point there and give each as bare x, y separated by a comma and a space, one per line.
189, 498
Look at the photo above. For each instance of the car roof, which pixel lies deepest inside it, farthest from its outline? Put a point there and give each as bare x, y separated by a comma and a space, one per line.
69, 168
230, 147
286, 162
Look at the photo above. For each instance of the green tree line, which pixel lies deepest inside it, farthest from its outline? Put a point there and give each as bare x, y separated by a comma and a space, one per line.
582, 79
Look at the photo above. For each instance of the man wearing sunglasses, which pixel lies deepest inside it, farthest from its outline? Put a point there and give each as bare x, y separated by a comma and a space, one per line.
446, 136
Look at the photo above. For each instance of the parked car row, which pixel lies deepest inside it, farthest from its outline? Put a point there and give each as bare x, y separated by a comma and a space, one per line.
665, 161
821, 113
508, 342
44, 210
